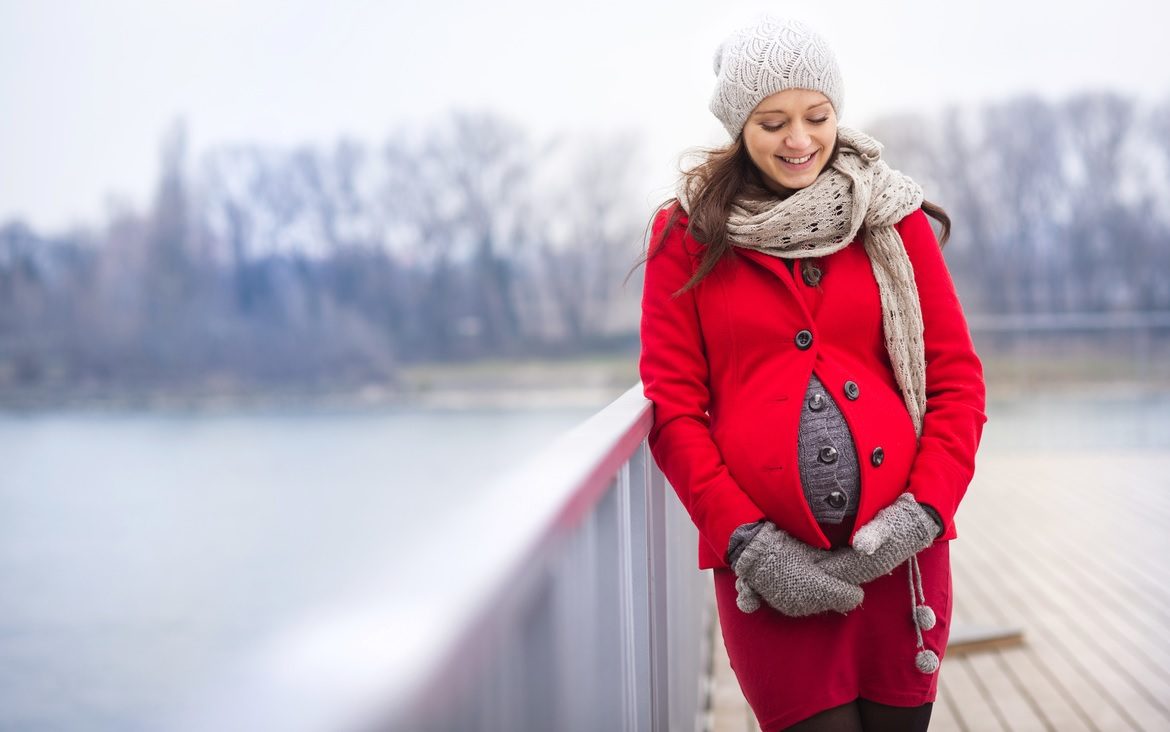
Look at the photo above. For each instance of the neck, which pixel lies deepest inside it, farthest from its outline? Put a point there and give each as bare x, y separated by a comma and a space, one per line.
781, 191
767, 185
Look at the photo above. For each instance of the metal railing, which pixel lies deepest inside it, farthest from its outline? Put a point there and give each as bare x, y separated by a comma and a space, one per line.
1036, 350
567, 599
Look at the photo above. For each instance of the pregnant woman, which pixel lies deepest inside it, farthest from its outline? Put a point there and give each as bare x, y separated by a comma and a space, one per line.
818, 400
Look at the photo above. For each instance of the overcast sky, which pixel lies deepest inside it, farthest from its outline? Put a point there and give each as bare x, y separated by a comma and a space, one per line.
87, 89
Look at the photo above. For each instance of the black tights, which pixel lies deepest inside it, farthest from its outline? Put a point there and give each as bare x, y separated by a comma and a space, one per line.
863, 715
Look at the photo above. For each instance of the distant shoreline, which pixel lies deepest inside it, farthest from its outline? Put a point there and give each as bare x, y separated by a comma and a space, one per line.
495, 385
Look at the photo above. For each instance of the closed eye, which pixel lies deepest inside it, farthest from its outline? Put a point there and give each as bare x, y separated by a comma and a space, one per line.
773, 128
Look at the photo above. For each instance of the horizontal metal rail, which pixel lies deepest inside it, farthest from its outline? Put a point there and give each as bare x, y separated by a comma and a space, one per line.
1058, 322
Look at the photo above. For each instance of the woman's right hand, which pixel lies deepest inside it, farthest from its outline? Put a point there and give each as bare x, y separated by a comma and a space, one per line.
783, 571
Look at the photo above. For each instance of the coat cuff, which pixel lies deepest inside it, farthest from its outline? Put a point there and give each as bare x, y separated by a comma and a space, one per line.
739, 539
719, 515
934, 515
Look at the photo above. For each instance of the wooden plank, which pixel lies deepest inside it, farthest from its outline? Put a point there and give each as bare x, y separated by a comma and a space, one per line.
972, 638
1015, 710
1130, 626
1104, 660
1123, 549
1012, 703
1043, 690
1135, 587
1071, 685
971, 704
1139, 656
1109, 532
1061, 690
1123, 701
1034, 684
942, 715
1141, 603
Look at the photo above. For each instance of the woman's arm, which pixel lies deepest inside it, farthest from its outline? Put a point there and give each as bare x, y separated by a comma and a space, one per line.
955, 393
674, 370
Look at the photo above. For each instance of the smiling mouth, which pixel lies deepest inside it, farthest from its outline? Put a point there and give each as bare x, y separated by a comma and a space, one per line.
797, 161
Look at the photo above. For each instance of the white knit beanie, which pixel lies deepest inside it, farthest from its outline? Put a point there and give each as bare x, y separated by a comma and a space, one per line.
766, 57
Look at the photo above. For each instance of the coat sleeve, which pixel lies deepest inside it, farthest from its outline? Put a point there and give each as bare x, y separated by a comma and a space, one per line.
675, 377
955, 392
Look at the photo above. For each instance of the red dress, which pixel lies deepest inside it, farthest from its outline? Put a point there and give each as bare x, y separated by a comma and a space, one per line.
792, 668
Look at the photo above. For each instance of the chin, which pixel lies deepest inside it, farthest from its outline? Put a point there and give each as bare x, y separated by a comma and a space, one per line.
795, 184
802, 182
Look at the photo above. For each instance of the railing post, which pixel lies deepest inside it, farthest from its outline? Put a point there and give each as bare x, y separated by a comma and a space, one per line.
636, 586
655, 501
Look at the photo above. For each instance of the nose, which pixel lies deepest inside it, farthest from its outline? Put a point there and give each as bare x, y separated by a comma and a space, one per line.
798, 137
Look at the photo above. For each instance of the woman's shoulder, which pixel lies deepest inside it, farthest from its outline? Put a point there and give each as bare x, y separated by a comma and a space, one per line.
665, 212
917, 234
921, 244
669, 229
914, 223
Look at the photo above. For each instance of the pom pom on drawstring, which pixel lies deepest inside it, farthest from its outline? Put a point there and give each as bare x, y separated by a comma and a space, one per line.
926, 661
925, 616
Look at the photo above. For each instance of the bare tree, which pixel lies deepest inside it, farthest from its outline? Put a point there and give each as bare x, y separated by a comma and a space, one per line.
591, 230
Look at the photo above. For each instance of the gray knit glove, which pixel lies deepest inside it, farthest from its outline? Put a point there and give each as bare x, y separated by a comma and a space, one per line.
897, 532
782, 570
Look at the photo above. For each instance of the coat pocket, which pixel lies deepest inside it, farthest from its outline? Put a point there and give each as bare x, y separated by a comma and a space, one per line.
753, 440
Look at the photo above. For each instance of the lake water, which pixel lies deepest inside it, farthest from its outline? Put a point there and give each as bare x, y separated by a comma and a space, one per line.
140, 553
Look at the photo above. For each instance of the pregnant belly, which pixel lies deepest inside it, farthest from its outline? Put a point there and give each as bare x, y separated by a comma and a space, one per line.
829, 474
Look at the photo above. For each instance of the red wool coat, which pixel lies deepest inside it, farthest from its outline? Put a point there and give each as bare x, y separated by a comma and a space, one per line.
722, 366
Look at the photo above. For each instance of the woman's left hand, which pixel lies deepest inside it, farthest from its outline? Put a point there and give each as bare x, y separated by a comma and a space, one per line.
896, 533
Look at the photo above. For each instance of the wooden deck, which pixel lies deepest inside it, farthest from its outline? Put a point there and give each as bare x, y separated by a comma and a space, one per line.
1074, 550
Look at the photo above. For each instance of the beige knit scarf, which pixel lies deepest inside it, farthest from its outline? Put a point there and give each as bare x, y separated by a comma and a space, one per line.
824, 217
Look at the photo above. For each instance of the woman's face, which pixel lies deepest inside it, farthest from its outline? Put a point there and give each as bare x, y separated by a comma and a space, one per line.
790, 137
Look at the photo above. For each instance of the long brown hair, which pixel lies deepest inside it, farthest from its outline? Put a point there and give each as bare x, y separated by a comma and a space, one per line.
725, 174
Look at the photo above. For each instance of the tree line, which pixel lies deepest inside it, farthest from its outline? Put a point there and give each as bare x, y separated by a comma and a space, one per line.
469, 238
464, 239
1058, 206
